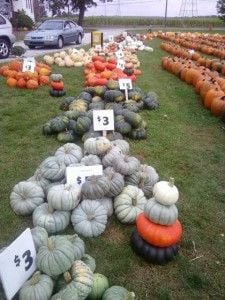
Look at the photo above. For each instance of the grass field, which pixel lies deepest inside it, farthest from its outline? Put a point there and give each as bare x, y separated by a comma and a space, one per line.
184, 141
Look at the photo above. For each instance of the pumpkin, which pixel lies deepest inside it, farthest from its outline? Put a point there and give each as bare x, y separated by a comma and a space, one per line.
69, 154
39, 235
129, 204
100, 285
91, 160
151, 100
89, 261
82, 125
21, 83
98, 145
52, 169
116, 182
78, 245
39, 179
11, 82
151, 173
160, 214
89, 218
56, 257
217, 106
166, 192
63, 197
113, 154
121, 125
67, 136
57, 93
57, 85
66, 102
152, 253
40, 286
126, 165
43, 80
32, 84
59, 124
156, 234
118, 293
53, 221
66, 294
123, 145
78, 105
44, 71
107, 203
138, 133
25, 197
112, 136
56, 77
95, 187
80, 277
114, 96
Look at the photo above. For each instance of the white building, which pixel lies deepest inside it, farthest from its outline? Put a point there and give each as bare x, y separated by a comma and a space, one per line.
26, 5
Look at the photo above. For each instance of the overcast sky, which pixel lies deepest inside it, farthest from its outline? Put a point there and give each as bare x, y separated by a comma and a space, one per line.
151, 8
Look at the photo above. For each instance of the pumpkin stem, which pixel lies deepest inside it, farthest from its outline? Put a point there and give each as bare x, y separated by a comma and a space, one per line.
130, 296
67, 277
35, 278
171, 182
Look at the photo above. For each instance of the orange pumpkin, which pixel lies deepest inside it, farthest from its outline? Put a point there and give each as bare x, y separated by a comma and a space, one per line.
217, 106
32, 84
156, 234
106, 74
43, 80
98, 58
57, 85
3, 68
19, 75
21, 83
110, 66
11, 82
44, 71
99, 66
211, 95
15, 65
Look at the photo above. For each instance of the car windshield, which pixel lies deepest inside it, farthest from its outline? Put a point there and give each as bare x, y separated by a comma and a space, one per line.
51, 25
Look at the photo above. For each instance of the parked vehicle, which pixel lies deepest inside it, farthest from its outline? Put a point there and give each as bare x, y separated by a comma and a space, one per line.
7, 38
55, 32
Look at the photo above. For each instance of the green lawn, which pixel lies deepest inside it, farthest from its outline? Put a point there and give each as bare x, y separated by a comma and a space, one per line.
184, 141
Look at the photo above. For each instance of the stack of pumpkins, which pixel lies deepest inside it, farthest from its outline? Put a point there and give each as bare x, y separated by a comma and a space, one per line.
57, 85
158, 229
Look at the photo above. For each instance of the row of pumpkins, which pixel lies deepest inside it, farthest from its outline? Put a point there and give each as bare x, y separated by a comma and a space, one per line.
30, 80
76, 121
125, 188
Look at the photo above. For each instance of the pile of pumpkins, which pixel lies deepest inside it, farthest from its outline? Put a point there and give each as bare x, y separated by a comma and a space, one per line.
76, 121
132, 43
30, 80
57, 85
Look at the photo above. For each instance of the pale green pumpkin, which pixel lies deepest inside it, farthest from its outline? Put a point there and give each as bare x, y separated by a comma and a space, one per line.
56, 257
118, 293
101, 284
39, 287
69, 154
89, 261
40, 236
78, 244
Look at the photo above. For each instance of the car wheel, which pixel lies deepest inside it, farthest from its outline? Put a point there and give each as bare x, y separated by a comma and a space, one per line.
60, 43
79, 39
4, 48
31, 47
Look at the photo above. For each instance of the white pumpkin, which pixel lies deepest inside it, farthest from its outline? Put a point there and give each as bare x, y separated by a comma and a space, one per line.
165, 192
69, 154
64, 196
98, 145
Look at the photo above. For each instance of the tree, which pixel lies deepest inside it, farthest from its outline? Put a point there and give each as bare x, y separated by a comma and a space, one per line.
82, 6
220, 6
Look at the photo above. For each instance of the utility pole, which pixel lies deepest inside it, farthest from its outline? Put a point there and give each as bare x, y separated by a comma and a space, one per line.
165, 21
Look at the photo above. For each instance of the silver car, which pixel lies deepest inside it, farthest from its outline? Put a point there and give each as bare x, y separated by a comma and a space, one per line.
7, 38
54, 33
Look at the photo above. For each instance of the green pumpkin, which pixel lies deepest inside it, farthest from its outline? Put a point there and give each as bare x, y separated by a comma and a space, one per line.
56, 93
90, 90
113, 84
59, 123
121, 125
99, 90
128, 71
112, 136
66, 102
101, 284
67, 137
87, 97
56, 77
47, 129
138, 134
82, 125
72, 114
66, 294
131, 105
132, 118
40, 236
97, 99
135, 95
114, 96
56, 256
118, 293
40, 286
151, 100
78, 244
97, 105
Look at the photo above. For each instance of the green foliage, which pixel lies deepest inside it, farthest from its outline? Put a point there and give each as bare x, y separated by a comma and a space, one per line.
18, 50
220, 6
21, 20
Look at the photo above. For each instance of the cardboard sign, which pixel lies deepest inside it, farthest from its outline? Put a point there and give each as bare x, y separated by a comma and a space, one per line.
17, 263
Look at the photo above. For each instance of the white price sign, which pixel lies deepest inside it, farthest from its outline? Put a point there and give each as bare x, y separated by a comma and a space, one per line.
17, 263
120, 45
111, 38
78, 175
119, 54
125, 84
121, 64
29, 64
124, 34
103, 120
